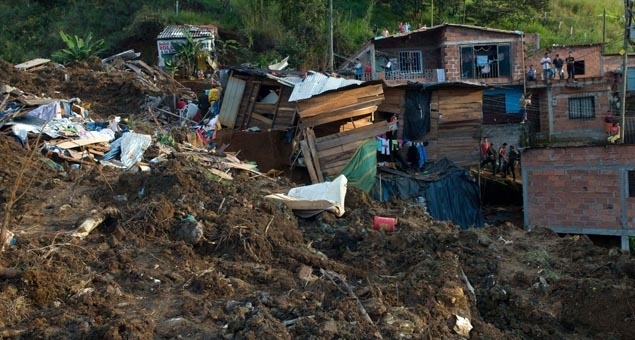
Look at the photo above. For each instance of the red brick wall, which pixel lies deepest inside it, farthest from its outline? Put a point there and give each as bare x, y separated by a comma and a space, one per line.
561, 94
591, 54
456, 36
579, 187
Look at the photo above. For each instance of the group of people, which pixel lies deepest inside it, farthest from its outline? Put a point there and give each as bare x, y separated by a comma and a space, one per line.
553, 68
502, 162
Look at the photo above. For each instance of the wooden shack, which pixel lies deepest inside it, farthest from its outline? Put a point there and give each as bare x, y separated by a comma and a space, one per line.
252, 99
334, 124
451, 115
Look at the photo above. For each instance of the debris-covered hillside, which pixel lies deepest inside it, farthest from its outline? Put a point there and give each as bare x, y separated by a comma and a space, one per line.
184, 251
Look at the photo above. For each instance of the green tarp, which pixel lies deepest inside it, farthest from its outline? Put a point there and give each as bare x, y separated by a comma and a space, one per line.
361, 170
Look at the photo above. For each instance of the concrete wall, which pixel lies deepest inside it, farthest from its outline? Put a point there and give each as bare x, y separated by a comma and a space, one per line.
512, 134
580, 190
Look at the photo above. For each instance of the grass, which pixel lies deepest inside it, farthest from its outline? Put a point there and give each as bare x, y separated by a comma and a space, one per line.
541, 259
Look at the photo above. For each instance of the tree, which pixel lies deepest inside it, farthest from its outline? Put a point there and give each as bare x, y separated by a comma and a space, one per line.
78, 49
186, 54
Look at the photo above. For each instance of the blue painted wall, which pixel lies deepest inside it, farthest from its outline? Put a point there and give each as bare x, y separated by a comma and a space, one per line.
512, 97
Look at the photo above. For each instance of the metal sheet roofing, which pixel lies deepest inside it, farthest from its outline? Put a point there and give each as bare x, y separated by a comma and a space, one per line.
316, 83
178, 31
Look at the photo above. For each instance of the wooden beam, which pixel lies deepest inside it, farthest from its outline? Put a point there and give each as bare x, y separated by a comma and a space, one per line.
338, 114
262, 118
329, 101
316, 159
339, 149
362, 133
307, 160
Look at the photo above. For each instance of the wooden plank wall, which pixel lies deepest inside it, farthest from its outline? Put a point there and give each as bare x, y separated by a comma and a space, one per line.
342, 102
458, 130
286, 111
334, 151
329, 154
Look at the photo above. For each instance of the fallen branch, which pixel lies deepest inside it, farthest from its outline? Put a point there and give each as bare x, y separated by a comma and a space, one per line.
340, 282
468, 284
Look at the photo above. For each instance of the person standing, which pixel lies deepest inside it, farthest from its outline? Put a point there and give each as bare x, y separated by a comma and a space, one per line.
558, 63
358, 69
546, 68
367, 72
485, 144
570, 61
502, 159
388, 68
513, 158
490, 158
615, 133
525, 100
532, 75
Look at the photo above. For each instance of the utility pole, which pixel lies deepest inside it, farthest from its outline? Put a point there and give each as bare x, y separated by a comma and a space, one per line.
628, 15
177, 7
330, 67
432, 14
603, 30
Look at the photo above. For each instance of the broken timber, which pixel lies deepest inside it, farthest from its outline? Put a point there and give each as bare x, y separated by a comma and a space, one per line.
328, 155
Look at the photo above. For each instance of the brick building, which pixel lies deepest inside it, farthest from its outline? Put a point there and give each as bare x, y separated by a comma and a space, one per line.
581, 190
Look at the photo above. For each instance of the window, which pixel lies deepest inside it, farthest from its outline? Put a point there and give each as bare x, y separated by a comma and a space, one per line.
582, 108
630, 79
631, 183
485, 61
410, 62
578, 66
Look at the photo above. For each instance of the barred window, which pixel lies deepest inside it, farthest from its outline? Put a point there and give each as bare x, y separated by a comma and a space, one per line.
582, 108
486, 61
410, 61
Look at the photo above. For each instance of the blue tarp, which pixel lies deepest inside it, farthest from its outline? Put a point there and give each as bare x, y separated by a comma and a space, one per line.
450, 191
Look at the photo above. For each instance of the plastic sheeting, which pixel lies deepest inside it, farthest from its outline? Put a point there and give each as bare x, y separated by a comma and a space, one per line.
361, 169
450, 191
310, 200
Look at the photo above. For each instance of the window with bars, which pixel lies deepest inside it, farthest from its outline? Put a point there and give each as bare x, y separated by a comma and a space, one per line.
410, 61
582, 107
485, 61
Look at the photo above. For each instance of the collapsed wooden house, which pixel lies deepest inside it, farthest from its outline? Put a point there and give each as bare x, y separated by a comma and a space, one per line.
255, 98
333, 116
334, 124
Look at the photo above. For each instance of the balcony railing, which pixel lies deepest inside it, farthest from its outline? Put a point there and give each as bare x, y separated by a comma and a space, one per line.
425, 75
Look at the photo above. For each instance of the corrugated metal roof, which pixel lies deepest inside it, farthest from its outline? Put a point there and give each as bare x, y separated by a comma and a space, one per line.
178, 31
441, 26
316, 83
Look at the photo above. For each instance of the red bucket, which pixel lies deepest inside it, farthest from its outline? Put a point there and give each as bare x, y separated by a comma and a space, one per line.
386, 224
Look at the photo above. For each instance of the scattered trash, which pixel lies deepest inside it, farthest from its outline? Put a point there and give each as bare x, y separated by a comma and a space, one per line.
9, 240
386, 224
506, 242
310, 200
95, 220
462, 326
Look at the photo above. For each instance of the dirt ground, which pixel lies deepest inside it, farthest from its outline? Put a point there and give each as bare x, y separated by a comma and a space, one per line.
258, 271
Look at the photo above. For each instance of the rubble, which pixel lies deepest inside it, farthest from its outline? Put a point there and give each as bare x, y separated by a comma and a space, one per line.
245, 267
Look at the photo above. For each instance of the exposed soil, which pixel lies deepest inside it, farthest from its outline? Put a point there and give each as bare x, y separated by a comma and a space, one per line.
258, 271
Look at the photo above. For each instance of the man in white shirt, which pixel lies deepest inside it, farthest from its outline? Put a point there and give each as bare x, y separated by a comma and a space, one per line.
546, 68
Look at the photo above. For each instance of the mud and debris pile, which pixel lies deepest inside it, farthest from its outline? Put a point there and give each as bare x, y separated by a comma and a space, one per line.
180, 252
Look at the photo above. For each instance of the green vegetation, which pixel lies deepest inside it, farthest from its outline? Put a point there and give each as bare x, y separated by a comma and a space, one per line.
78, 49
261, 31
